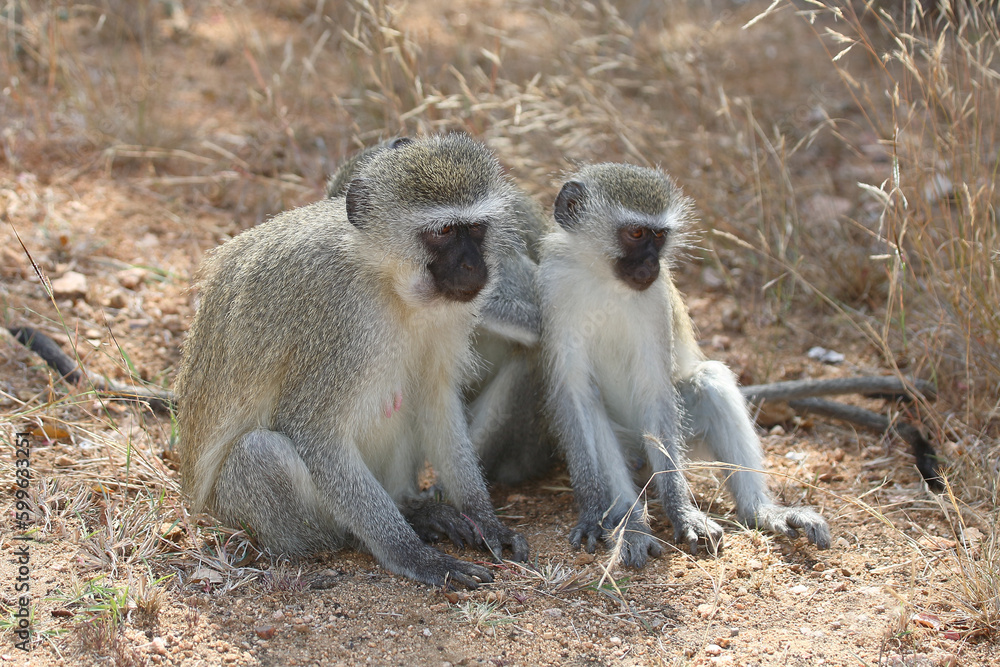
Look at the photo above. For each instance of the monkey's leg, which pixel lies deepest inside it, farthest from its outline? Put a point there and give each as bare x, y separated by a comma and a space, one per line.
690, 524
505, 424
297, 508
264, 486
718, 417
606, 499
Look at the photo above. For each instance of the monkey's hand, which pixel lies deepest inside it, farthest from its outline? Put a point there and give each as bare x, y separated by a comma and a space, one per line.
433, 520
637, 542
430, 566
789, 521
493, 536
692, 527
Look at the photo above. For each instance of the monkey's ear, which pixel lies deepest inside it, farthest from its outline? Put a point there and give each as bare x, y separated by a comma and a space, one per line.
358, 202
400, 141
569, 204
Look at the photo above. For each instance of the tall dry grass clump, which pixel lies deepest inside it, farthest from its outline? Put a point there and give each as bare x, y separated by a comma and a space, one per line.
931, 95
928, 86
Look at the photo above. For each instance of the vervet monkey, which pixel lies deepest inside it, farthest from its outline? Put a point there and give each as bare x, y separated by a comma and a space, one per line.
326, 359
625, 373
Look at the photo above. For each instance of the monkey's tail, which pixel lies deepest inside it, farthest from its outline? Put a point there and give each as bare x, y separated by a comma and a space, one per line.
883, 387
923, 450
160, 400
802, 395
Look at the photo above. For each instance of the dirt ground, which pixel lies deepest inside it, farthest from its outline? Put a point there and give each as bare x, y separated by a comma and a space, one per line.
121, 574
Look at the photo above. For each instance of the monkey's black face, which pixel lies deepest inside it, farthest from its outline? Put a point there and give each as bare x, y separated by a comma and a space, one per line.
457, 263
640, 266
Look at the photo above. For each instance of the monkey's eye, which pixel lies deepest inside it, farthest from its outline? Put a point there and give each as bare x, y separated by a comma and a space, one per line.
636, 233
444, 231
658, 234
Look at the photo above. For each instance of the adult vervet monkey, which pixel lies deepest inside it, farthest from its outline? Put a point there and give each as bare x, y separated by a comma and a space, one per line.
326, 360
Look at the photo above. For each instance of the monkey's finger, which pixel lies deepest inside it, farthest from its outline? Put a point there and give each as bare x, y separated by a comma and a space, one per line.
457, 540
469, 575
463, 579
576, 537
819, 535
813, 525
461, 531
519, 547
688, 535
785, 529
494, 547
460, 534
634, 555
693, 545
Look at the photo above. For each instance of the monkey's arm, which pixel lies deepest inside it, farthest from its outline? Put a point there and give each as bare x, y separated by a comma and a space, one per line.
662, 441
717, 416
446, 439
601, 478
511, 310
365, 508
161, 400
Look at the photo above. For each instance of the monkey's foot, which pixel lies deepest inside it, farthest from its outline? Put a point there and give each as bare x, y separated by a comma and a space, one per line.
637, 542
693, 527
433, 520
437, 569
789, 521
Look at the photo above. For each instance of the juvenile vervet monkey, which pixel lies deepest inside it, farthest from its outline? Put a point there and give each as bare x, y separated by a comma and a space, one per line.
625, 373
326, 359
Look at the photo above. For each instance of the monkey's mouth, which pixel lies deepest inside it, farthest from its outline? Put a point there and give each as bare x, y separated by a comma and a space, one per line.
638, 277
460, 293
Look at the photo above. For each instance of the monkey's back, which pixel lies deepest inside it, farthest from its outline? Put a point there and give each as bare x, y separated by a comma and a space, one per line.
288, 277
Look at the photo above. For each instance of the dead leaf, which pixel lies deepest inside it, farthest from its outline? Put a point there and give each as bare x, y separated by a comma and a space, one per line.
50, 432
205, 575
926, 621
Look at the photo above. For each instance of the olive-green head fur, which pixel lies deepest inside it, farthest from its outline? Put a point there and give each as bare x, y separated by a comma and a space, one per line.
598, 200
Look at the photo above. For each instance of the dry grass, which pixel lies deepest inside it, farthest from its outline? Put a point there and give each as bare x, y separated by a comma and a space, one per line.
898, 245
